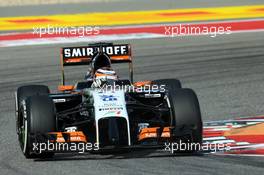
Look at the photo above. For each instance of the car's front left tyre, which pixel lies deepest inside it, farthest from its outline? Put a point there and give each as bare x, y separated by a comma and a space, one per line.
186, 115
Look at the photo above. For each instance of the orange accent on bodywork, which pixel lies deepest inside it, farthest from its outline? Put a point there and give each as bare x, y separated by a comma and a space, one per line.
121, 58
147, 133
142, 83
77, 136
65, 87
77, 60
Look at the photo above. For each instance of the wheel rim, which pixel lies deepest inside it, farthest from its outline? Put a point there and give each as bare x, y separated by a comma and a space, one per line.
23, 131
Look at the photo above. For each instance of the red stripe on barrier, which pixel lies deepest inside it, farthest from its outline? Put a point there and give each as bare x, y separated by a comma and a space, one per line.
157, 29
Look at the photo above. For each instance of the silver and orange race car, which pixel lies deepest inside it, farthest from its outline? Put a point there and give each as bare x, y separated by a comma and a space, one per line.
122, 114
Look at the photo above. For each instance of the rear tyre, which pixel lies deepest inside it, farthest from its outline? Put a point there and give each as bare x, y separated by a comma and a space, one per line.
186, 115
38, 117
169, 84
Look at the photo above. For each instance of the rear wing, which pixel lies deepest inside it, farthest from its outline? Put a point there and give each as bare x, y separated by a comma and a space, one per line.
73, 56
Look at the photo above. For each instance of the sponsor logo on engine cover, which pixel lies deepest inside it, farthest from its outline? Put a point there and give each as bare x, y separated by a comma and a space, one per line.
108, 97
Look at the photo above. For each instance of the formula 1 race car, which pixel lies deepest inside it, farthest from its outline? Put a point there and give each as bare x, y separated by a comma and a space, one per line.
143, 114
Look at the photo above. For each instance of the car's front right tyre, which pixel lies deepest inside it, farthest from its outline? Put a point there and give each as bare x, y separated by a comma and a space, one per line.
37, 116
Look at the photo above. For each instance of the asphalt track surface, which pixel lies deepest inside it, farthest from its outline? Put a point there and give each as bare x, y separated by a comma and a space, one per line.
226, 72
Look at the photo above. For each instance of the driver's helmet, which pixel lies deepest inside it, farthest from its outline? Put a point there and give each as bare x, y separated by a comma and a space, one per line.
100, 61
104, 75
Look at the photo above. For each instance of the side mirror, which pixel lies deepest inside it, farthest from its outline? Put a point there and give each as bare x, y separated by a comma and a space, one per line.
142, 83
65, 87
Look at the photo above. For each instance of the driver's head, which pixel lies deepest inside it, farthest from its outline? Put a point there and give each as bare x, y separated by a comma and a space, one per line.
104, 75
